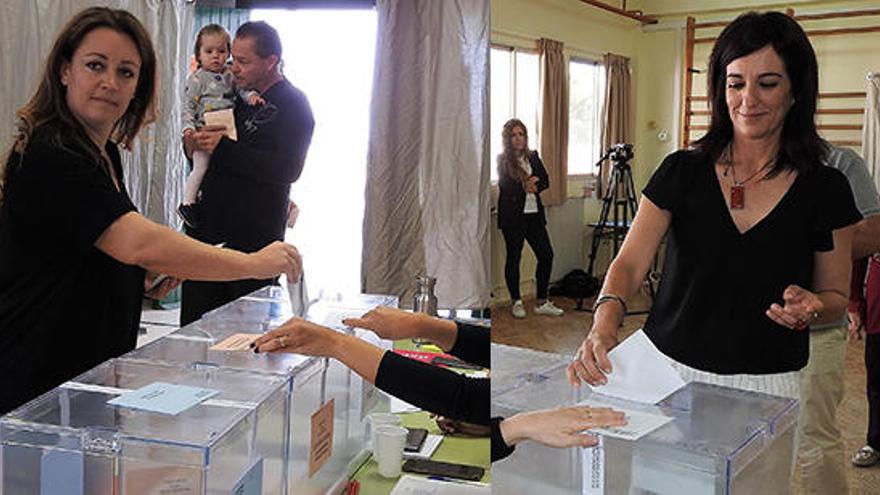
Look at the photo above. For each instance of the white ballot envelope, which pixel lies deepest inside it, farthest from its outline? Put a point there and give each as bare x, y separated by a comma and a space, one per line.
223, 118
639, 372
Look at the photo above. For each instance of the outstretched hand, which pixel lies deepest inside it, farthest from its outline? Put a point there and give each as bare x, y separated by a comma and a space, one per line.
389, 323
560, 427
800, 308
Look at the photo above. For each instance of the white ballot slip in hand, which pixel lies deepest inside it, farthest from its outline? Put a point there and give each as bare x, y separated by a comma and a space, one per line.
639, 372
223, 118
297, 294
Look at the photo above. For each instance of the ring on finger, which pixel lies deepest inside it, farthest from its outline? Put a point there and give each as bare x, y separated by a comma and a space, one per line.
282, 341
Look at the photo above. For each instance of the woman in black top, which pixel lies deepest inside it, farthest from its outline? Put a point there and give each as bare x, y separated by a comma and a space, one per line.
75, 256
521, 178
758, 227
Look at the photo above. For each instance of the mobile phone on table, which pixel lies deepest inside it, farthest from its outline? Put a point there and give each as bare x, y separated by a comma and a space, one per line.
415, 438
447, 469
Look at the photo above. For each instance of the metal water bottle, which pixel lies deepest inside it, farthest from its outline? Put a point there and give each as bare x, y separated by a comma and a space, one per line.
424, 300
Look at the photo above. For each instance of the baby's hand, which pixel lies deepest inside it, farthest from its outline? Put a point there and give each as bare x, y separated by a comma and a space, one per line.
255, 99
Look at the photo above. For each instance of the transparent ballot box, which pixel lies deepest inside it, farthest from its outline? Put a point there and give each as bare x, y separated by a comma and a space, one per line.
71, 441
316, 385
712, 440
272, 305
516, 366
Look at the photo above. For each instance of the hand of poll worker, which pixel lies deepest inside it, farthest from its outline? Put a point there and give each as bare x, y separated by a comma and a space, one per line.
206, 138
591, 362
274, 259
390, 323
801, 307
856, 325
157, 286
560, 427
299, 336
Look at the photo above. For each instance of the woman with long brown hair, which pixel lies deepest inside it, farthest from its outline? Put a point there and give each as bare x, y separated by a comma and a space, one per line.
521, 178
75, 256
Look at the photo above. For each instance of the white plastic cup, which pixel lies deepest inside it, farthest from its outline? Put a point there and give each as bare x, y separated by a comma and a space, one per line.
376, 420
390, 441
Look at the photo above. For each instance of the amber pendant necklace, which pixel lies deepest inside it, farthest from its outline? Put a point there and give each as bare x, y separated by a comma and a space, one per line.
738, 188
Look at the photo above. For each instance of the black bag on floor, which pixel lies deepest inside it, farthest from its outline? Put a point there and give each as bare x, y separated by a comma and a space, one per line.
576, 284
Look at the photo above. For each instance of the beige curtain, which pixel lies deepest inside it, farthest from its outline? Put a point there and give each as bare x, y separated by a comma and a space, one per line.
617, 110
553, 130
427, 205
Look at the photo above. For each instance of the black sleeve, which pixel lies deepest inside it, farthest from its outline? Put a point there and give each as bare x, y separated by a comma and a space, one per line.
472, 344
275, 151
539, 171
836, 210
666, 186
63, 197
500, 449
434, 389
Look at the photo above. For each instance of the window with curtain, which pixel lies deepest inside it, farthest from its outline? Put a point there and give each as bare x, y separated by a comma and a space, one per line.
514, 93
586, 92
336, 73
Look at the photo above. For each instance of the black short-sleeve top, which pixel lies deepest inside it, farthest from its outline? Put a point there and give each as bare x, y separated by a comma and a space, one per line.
65, 306
717, 283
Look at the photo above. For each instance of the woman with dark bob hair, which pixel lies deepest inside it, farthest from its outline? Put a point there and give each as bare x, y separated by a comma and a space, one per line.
521, 178
759, 228
75, 256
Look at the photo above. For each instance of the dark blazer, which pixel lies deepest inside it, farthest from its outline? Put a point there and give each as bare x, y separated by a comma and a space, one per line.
512, 196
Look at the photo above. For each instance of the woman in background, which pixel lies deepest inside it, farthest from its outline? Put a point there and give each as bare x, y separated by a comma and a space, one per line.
521, 178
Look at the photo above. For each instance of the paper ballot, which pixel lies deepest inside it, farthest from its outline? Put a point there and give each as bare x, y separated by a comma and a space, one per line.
223, 118
640, 372
297, 294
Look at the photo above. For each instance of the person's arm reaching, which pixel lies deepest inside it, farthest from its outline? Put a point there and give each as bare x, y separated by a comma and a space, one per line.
134, 240
561, 427
431, 388
624, 277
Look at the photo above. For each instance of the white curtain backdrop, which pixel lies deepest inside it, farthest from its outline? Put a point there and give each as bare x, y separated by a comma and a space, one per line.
871, 129
427, 194
155, 169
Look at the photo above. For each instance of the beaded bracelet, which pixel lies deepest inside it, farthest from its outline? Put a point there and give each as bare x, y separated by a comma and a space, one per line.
604, 298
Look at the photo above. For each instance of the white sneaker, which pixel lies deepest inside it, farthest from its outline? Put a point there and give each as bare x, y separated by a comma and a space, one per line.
548, 309
518, 310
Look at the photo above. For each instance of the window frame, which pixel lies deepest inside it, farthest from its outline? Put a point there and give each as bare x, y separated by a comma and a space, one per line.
512, 51
597, 63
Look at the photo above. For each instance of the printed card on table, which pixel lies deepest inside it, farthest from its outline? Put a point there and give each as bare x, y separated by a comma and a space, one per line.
165, 398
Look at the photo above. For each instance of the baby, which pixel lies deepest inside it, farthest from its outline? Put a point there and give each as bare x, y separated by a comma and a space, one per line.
209, 88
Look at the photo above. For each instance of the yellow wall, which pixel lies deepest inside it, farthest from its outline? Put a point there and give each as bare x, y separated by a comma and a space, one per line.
656, 54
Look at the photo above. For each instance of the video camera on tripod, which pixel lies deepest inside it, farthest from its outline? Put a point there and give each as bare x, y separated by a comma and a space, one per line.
620, 154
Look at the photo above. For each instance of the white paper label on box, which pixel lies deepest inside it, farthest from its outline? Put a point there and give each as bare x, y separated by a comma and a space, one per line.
252, 481
61, 473
594, 469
